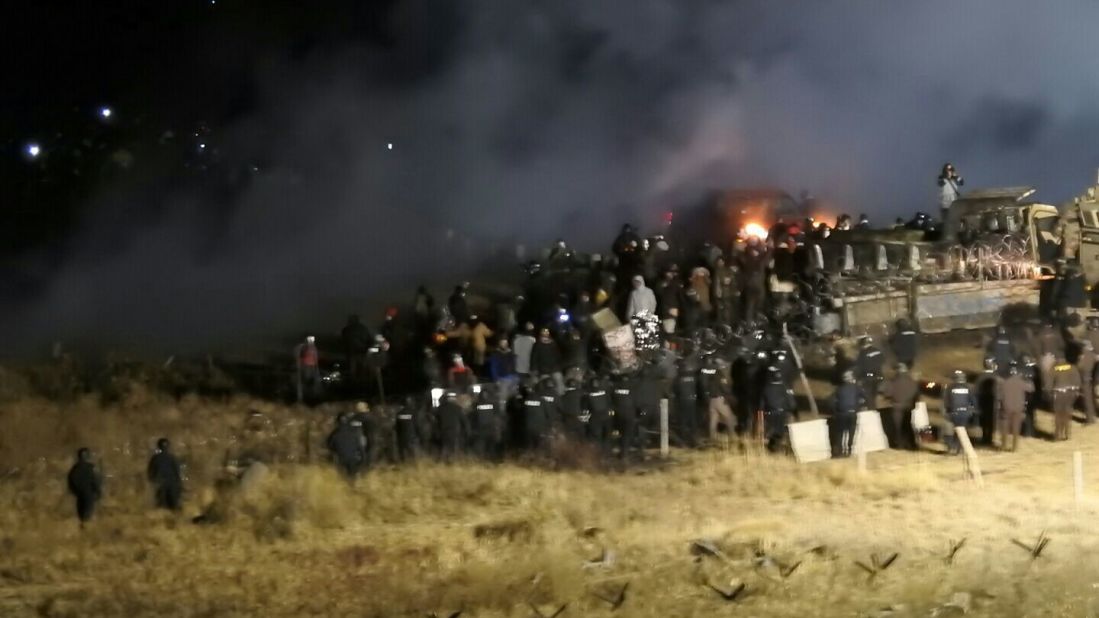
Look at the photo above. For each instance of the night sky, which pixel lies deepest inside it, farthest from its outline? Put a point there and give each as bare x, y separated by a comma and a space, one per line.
267, 168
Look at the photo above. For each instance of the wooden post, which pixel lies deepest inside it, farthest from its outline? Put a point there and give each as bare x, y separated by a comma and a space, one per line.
1078, 476
972, 466
801, 372
663, 427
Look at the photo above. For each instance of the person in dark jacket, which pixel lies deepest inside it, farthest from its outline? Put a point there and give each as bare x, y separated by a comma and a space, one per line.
575, 358
347, 445
459, 308
164, 474
903, 392
85, 485
846, 403
356, 341
545, 359
1013, 394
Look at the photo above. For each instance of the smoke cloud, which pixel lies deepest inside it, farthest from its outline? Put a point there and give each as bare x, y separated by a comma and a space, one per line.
519, 122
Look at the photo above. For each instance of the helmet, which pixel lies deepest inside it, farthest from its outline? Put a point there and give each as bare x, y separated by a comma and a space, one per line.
848, 377
866, 341
1013, 369
1001, 330
902, 368
959, 376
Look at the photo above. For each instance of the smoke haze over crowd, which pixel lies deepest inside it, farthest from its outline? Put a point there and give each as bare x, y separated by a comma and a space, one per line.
518, 122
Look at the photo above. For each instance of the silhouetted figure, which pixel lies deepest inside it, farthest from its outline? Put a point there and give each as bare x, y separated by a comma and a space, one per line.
85, 485
165, 476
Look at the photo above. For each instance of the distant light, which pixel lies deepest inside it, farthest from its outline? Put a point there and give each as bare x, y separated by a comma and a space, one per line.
389, 146
202, 146
33, 150
756, 230
105, 112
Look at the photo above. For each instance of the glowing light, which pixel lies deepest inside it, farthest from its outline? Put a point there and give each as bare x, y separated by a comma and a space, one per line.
33, 150
755, 230
202, 146
389, 146
105, 112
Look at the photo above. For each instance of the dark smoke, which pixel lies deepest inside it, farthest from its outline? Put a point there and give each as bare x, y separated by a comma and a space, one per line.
522, 121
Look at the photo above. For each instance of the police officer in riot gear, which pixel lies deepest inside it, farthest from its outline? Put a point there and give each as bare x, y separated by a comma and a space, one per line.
1085, 363
405, 428
987, 387
846, 403
959, 405
1065, 389
347, 445
905, 343
778, 403
686, 403
868, 366
716, 392
1028, 370
486, 425
1001, 351
536, 423
598, 410
571, 407
453, 426
625, 415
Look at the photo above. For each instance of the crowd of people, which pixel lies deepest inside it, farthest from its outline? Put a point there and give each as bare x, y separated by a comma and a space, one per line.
522, 375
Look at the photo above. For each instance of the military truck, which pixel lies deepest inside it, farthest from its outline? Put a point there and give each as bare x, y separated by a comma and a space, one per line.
991, 250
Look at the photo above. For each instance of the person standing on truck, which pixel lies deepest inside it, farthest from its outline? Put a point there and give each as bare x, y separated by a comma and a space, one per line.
950, 183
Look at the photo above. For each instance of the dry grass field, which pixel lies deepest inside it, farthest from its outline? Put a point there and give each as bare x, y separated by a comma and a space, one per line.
493, 541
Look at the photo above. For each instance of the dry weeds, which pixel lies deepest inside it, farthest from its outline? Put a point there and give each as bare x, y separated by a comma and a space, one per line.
493, 540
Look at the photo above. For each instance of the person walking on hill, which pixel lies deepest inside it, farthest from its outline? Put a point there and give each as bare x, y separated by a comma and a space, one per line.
85, 485
164, 473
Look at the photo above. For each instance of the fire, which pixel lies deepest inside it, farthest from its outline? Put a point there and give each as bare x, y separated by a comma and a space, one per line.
755, 230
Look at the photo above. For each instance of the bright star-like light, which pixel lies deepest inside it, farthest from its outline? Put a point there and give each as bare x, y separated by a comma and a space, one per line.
105, 112
33, 150
389, 146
